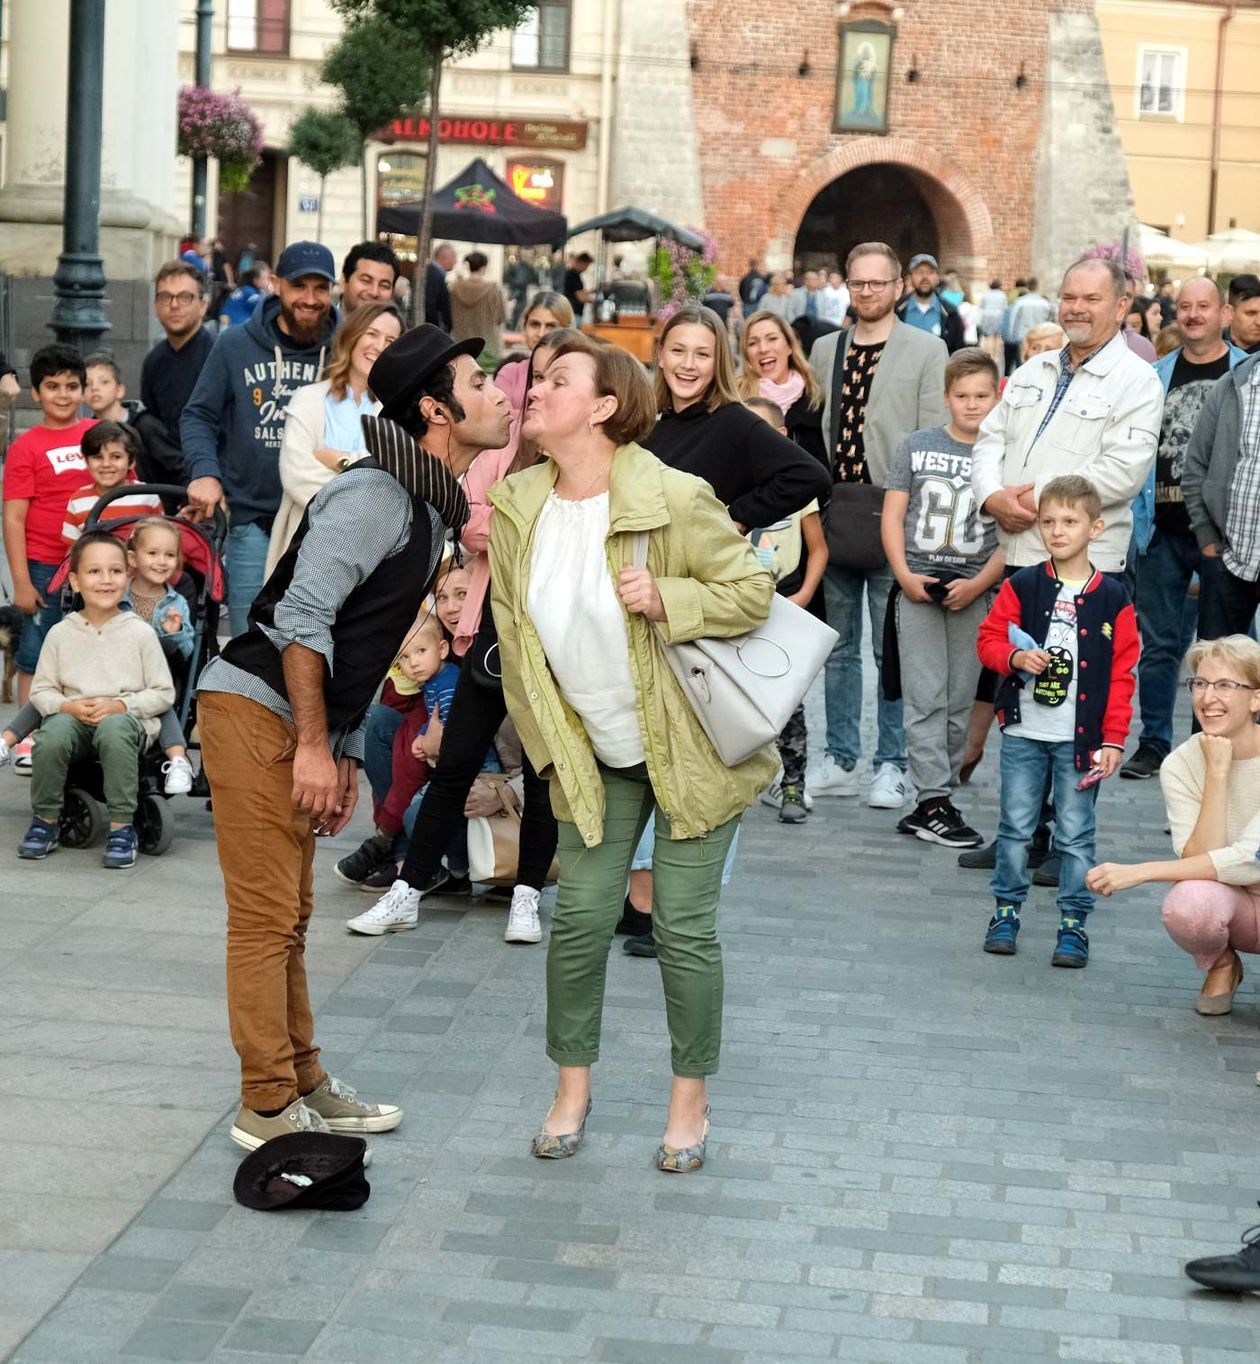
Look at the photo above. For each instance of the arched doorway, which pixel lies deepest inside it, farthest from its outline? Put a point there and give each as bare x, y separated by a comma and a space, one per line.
873, 203
889, 188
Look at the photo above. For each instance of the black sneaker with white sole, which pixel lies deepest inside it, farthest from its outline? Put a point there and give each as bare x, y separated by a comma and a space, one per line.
1143, 765
937, 821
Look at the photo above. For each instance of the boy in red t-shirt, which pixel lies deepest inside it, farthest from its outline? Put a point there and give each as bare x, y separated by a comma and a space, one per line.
42, 470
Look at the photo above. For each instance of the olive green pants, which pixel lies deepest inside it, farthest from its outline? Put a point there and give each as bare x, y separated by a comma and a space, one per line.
589, 902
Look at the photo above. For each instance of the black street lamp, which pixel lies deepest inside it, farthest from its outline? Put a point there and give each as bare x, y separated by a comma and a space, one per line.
205, 19
79, 283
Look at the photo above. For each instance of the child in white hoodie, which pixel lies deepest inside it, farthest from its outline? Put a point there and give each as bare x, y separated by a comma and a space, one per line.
100, 684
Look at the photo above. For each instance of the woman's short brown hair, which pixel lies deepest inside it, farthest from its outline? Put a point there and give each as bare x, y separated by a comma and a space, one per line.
347, 336
617, 375
725, 385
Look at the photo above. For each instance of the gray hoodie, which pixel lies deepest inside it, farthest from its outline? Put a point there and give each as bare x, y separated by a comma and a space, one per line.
232, 427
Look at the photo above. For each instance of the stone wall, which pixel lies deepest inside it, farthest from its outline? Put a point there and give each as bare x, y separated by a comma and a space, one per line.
655, 157
1082, 189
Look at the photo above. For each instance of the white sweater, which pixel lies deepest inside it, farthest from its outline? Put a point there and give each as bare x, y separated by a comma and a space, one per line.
122, 659
1183, 777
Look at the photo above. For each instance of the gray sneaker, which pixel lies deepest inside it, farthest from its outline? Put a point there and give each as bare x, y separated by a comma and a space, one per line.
341, 1110
251, 1129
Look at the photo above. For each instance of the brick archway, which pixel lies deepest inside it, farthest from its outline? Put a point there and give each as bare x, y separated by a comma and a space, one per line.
966, 230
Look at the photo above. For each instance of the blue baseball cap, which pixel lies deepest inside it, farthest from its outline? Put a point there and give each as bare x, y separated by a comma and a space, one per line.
306, 258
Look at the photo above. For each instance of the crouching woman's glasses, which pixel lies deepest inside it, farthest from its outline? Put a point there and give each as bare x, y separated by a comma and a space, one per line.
1223, 686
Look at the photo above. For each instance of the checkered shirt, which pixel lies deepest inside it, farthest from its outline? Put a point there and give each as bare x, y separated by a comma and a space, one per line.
1242, 520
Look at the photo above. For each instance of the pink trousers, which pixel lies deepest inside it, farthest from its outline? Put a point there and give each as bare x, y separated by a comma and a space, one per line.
1205, 917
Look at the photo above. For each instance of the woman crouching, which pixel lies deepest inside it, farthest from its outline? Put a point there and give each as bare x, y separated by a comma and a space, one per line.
602, 717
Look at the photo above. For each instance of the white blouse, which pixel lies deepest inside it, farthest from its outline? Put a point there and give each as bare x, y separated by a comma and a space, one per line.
582, 626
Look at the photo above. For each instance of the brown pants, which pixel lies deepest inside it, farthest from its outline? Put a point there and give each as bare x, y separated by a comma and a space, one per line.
266, 851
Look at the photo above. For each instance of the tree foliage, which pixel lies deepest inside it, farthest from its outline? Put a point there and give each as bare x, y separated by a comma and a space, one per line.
457, 26
325, 140
378, 71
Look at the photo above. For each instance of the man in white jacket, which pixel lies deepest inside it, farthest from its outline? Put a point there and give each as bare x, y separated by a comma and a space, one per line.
1092, 409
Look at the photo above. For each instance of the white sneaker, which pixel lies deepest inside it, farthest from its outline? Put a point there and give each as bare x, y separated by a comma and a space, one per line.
179, 777
397, 909
830, 779
888, 790
773, 794
21, 754
523, 924
4, 753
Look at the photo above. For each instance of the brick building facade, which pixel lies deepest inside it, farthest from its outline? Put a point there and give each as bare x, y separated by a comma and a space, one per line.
990, 136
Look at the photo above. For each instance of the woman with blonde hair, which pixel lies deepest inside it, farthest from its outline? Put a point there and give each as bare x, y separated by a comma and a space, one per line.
773, 366
1045, 336
323, 435
1212, 792
596, 555
780, 298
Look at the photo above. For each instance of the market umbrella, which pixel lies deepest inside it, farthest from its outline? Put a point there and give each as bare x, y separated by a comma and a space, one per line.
1160, 251
634, 225
1232, 251
478, 206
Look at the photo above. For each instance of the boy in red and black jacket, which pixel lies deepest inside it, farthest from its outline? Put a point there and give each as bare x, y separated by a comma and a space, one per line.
1063, 638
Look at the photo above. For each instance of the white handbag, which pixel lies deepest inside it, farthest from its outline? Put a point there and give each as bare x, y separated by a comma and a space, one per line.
743, 689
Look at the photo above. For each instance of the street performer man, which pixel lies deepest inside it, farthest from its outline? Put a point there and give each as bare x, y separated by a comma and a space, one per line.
282, 710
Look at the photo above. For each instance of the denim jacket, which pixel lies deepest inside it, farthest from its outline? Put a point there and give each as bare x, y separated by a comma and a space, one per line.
183, 637
1144, 503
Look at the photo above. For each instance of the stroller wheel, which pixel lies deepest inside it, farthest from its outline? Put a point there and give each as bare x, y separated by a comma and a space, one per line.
155, 825
82, 820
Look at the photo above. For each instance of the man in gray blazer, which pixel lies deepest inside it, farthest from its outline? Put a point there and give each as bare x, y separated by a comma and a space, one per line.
882, 380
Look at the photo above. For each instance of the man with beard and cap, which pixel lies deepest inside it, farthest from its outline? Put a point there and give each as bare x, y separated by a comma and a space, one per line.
232, 426
282, 710
923, 306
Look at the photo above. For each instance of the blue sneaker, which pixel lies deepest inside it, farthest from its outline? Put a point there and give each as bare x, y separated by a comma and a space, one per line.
120, 847
1002, 932
1071, 948
39, 840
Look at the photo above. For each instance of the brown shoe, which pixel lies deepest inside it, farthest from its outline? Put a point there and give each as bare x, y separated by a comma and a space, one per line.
251, 1129
342, 1110
1217, 995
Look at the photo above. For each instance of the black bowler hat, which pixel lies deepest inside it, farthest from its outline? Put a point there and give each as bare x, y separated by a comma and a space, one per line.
304, 1170
402, 371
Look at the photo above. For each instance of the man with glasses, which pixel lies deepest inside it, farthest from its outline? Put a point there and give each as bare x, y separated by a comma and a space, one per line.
882, 379
171, 369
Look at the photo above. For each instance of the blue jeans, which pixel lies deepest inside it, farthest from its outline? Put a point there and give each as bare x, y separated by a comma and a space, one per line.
645, 851
383, 723
1166, 619
842, 592
245, 558
1028, 767
35, 628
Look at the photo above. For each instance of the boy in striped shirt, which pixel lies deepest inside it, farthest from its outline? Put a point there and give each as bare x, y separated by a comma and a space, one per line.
110, 450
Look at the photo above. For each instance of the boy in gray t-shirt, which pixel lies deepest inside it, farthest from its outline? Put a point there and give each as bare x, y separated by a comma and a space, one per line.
945, 558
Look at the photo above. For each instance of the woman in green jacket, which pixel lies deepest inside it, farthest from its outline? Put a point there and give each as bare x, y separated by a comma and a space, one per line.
602, 717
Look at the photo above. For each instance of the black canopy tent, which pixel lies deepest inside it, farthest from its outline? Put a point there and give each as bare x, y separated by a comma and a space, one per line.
478, 206
635, 225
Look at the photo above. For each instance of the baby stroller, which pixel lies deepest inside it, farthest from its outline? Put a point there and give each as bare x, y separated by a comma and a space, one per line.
204, 585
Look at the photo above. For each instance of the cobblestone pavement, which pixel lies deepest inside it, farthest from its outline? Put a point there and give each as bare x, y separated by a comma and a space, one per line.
920, 1154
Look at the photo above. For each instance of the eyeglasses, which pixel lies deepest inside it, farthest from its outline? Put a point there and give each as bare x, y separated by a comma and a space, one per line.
869, 286
1223, 686
164, 300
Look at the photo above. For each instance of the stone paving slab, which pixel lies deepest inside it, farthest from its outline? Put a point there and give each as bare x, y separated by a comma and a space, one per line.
920, 1153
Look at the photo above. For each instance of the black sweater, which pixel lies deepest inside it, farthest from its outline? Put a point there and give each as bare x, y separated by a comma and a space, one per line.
761, 476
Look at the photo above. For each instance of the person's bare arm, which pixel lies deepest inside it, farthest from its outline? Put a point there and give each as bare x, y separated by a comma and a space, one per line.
892, 529
25, 597
316, 780
817, 557
1109, 877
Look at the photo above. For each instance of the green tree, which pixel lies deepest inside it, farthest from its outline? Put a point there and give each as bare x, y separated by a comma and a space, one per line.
325, 140
441, 29
375, 68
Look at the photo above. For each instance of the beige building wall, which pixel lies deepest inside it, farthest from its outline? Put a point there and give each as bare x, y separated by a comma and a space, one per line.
1169, 140
484, 85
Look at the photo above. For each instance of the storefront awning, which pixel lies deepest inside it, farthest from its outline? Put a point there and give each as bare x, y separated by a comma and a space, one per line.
478, 206
635, 225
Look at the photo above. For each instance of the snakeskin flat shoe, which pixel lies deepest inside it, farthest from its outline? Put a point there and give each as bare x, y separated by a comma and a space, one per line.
559, 1145
682, 1160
